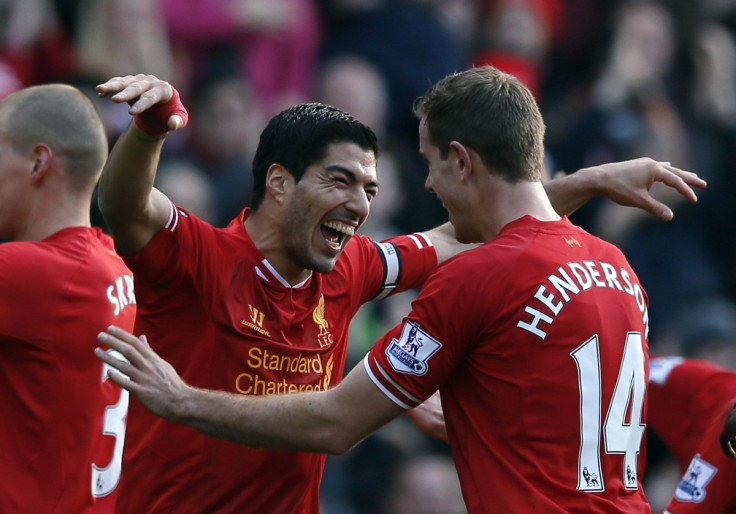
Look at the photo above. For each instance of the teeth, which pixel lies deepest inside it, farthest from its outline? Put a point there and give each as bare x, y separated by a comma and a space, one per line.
341, 227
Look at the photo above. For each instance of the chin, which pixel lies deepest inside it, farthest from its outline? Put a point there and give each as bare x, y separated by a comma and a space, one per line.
323, 265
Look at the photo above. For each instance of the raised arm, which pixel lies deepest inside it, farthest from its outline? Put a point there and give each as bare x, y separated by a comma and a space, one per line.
627, 183
331, 421
133, 209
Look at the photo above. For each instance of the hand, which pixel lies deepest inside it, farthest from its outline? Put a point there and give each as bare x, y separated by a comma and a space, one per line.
429, 418
629, 183
728, 435
152, 380
141, 92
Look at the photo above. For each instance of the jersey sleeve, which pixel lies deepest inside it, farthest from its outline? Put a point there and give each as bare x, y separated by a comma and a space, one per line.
411, 361
383, 268
162, 259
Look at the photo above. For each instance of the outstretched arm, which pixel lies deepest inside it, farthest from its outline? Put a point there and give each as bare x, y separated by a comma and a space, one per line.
728, 435
627, 183
133, 209
331, 421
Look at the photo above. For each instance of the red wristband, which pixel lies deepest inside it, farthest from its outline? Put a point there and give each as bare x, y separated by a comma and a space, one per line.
155, 120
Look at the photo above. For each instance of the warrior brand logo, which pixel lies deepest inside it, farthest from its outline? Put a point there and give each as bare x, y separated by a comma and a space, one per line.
256, 316
324, 337
411, 352
256, 321
571, 241
697, 476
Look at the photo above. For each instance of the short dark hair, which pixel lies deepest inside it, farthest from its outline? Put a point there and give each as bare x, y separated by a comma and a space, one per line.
299, 136
491, 112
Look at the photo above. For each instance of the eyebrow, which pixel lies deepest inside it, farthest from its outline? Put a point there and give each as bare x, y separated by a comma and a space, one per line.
349, 173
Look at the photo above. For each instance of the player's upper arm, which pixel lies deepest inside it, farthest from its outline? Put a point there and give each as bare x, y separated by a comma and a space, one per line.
134, 227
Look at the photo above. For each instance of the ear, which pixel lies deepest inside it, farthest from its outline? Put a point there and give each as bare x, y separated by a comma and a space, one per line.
279, 183
461, 154
41, 156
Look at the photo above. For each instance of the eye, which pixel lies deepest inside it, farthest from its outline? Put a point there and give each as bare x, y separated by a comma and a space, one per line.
340, 180
371, 194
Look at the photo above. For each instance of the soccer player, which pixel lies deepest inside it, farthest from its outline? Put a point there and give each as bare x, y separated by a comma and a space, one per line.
63, 421
537, 339
689, 401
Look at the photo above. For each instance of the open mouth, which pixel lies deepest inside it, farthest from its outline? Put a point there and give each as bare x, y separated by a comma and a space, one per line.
336, 233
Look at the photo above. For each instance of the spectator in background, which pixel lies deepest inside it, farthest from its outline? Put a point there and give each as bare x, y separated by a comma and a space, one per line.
411, 48
275, 43
218, 147
634, 112
34, 47
516, 35
125, 35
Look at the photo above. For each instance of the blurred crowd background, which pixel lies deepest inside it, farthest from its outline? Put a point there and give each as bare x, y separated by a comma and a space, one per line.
615, 80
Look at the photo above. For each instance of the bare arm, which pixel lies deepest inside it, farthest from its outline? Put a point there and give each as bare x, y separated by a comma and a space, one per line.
331, 421
627, 183
133, 209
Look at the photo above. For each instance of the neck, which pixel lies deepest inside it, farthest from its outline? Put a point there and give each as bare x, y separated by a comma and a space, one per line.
513, 201
264, 230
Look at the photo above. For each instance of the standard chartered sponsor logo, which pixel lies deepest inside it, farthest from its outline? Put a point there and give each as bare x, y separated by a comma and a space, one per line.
262, 359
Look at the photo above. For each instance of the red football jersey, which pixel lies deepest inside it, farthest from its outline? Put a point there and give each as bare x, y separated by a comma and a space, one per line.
689, 401
538, 343
63, 422
214, 307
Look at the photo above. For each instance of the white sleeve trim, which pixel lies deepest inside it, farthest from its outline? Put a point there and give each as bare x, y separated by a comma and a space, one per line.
173, 220
391, 269
383, 389
421, 240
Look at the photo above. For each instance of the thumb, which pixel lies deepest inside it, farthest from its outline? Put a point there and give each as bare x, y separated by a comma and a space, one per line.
175, 122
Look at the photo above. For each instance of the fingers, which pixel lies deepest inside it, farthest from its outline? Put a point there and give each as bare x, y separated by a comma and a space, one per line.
682, 181
657, 208
129, 346
140, 91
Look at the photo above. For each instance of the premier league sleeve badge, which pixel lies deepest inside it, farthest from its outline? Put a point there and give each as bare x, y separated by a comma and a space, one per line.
410, 353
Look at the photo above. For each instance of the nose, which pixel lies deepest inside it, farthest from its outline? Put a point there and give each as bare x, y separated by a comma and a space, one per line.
359, 205
428, 185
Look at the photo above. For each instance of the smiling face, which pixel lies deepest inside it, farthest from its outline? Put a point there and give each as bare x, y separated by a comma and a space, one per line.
328, 205
443, 179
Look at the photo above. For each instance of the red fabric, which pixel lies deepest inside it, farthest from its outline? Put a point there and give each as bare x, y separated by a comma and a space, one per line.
60, 415
511, 352
211, 306
155, 121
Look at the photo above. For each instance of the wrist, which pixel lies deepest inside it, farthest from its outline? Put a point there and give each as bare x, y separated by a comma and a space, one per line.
154, 121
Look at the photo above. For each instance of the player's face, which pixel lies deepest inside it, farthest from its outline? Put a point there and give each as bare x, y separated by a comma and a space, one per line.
329, 203
443, 180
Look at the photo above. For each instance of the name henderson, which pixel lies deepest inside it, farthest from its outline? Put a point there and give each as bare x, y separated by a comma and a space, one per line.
586, 275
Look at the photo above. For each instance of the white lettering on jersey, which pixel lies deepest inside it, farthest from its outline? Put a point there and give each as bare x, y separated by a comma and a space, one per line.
121, 293
561, 287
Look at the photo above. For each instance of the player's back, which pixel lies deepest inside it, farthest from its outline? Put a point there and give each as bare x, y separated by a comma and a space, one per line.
63, 422
552, 388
